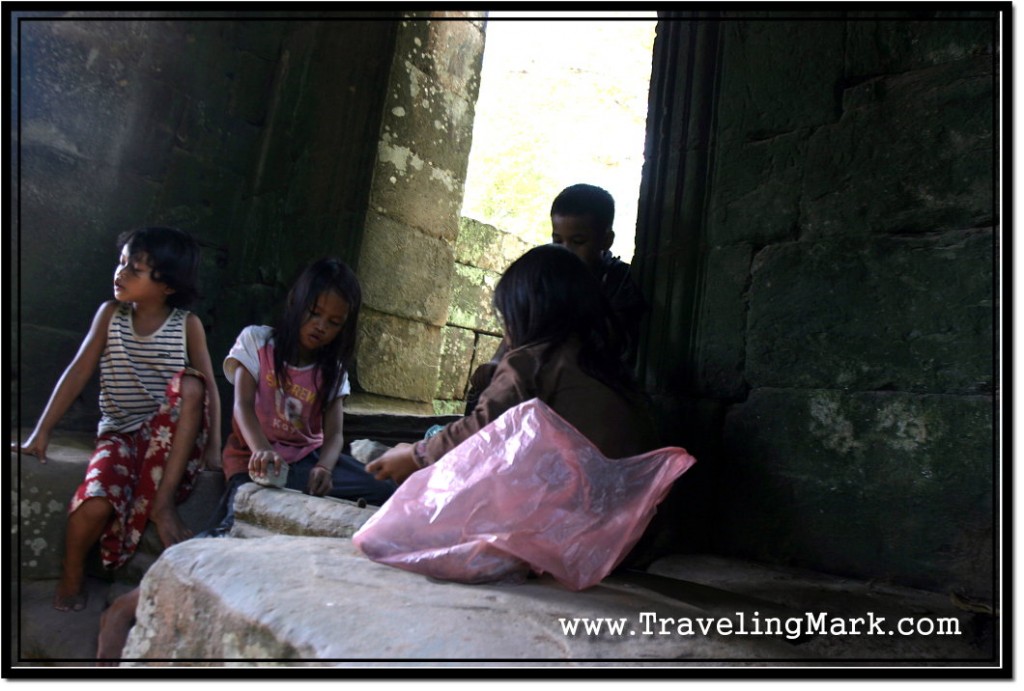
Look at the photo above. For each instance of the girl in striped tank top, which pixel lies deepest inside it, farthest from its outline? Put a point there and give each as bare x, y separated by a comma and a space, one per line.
160, 410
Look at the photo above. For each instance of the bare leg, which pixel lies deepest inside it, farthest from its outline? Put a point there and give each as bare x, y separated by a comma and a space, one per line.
115, 623
85, 525
164, 513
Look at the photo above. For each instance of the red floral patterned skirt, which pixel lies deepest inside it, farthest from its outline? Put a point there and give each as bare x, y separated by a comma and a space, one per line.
125, 469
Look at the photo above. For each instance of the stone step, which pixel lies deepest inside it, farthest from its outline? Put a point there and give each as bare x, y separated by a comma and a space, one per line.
284, 599
296, 591
263, 511
44, 490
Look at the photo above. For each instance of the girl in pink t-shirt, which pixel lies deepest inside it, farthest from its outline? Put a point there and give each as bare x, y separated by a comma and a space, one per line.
290, 383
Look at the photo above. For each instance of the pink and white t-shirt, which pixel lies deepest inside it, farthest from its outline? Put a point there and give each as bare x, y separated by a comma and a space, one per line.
286, 416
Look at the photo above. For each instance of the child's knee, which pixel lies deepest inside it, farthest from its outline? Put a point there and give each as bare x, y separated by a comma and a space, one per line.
192, 388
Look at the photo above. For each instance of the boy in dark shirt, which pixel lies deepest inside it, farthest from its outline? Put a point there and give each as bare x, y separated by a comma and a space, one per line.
581, 220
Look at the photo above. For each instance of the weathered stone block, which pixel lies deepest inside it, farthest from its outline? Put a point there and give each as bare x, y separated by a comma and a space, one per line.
367, 403
290, 512
435, 123
412, 191
480, 245
456, 359
909, 314
472, 305
41, 492
778, 76
242, 605
449, 407
877, 485
512, 247
449, 51
912, 153
756, 192
397, 357
423, 264
892, 47
723, 319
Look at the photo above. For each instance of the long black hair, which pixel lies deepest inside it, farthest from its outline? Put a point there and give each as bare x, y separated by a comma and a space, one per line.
547, 296
327, 274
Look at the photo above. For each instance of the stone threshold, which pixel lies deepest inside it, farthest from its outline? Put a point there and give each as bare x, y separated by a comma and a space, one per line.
289, 588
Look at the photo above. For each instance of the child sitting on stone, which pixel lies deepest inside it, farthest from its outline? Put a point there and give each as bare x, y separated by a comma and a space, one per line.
290, 384
581, 221
560, 350
160, 411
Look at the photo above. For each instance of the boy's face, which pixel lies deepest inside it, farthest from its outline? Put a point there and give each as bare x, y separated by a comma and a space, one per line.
578, 234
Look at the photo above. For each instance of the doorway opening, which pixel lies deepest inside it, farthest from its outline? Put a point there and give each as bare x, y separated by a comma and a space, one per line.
561, 101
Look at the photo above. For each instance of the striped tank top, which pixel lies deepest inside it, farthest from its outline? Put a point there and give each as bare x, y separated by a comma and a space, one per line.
135, 370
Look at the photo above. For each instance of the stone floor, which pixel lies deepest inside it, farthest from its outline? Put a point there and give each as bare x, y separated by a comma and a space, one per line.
309, 597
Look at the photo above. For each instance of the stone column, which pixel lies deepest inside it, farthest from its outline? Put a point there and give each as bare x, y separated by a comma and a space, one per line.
407, 259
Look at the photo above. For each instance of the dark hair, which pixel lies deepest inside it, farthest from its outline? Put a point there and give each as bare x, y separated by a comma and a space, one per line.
335, 357
549, 295
586, 200
173, 257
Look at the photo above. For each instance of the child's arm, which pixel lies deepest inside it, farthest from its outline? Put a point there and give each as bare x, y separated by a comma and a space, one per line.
244, 412
199, 357
72, 382
319, 481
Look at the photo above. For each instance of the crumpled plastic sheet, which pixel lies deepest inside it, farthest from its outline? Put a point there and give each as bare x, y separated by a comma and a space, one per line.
528, 491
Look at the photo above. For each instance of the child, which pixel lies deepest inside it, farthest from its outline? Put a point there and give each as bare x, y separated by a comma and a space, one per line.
560, 351
290, 383
160, 408
581, 221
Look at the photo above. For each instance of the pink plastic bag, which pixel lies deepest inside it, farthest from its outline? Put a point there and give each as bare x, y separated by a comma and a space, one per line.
526, 492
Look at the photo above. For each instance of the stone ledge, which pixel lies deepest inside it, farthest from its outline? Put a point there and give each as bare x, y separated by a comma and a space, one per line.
296, 599
264, 510
42, 492
319, 599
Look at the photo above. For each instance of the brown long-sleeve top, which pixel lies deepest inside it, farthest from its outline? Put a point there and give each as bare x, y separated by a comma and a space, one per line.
617, 426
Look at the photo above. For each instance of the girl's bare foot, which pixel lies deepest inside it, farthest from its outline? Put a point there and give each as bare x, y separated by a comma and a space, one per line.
71, 595
169, 526
115, 623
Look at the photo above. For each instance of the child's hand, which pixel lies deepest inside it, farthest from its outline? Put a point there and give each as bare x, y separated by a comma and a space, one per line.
35, 445
320, 481
396, 464
261, 461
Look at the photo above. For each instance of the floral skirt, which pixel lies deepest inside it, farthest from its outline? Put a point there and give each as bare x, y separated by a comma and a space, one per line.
126, 468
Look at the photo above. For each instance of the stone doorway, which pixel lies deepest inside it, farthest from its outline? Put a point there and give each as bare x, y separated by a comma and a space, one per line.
428, 272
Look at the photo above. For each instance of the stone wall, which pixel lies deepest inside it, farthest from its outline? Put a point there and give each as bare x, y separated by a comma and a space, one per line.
256, 136
473, 331
822, 331
407, 259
